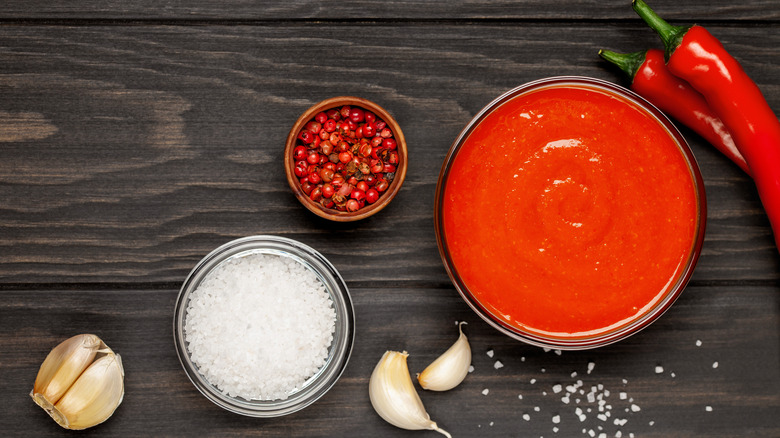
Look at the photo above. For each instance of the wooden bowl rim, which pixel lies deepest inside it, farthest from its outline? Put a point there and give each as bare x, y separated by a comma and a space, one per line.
368, 210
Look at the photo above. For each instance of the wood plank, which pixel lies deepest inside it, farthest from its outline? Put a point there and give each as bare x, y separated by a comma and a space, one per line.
692, 11
128, 153
737, 327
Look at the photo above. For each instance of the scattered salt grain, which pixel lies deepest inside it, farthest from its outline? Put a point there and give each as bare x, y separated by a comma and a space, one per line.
520, 396
557, 388
526, 417
258, 326
715, 364
485, 391
498, 364
659, 369
556, 419
490, 353
708, 408
537, 408
471, 368
698, 343
591, 366
573, 374
651, 423
533, 381
635, 408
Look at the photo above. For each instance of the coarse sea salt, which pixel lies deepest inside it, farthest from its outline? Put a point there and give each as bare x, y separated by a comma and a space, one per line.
259, 325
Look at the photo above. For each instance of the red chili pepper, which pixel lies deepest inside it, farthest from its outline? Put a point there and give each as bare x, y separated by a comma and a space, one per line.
651, 80
699, 58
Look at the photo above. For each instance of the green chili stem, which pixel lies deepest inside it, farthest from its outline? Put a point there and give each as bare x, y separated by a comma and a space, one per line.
628, 62
671, 35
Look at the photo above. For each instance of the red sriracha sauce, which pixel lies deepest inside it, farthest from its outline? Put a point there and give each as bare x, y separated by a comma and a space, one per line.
569, 212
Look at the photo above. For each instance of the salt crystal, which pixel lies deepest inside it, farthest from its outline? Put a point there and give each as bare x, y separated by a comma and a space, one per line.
522, 358
673, 375
490, 353
558, 352
625, 381
520, 396
601, 417
591, 366
498, 364
715, 364
698, 343
556, 419
635, 408
270, 361
526, 417
491, 423
623, 396
533, 381
555, 429
565, 399
708, 408
591, 397
659, 369
618, 434
543, 370
471, 368
536, 408
485, 391
546, 350
651, 423
557, 388
573, 374
591, 433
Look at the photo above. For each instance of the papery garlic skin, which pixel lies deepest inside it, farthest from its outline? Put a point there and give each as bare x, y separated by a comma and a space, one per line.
449, 369
64, 364
87, 399
393, 395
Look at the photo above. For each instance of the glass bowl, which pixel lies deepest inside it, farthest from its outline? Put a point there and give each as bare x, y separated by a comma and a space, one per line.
338, 353
560, 339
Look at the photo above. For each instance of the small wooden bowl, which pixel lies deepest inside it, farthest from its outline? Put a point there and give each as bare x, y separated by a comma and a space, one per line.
368, 209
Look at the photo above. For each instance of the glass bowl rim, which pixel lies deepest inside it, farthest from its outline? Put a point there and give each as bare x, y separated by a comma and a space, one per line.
340, 349
625, 330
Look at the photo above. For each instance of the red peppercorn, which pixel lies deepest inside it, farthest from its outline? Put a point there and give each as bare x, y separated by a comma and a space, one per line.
376, 166
345, 111
314, 178
314, 127
300, 171
388, 168
305, 136
300, 153
313, 157
370, 179
357, 194
321, 117
326, 174
381, 185
357, 115
328, 190
352, 181
370, 117
324, 135
362, 186
392, 157
326, 147
329, 125
386, 133
333, 114
353, 205
388, 143
371, 196
377, 141
380, 125
316, 194
365, 150
327, 203
345, 157
369, 130
307, 187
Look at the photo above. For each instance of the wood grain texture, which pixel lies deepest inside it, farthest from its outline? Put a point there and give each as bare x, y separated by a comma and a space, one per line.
137, 136
156, 144
737, 327
761, 10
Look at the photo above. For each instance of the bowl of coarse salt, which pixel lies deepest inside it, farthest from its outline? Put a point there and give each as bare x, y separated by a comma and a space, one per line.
264, 326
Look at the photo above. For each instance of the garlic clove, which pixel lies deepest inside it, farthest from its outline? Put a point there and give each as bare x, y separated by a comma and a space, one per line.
87, 379
64, 364
449, 369
393, 395
95, 395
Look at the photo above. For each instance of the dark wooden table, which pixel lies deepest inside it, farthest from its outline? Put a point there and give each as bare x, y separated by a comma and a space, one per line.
137, 136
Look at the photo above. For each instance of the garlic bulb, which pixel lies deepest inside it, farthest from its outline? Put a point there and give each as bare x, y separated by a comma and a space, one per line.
80, 383
393, 395
449, 369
